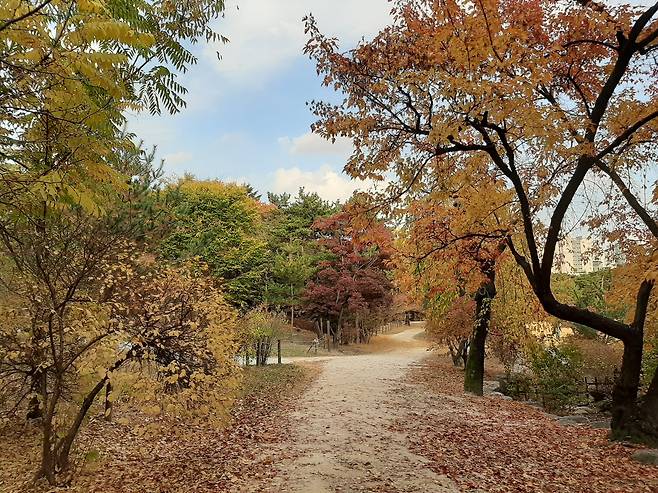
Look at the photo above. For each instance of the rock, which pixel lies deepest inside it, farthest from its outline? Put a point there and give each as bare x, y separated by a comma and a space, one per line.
500, 396
490, 386
649, 456
601, 425
604, 405
583, 410
572, 420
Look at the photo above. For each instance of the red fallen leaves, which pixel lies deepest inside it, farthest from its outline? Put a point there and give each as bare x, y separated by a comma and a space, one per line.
503, 446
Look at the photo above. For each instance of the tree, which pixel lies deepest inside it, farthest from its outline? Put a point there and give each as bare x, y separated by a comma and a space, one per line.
452, 324
294, 217
69, 216
291, 267
79, 305
70, 71
295, 254
351, 289
224, 226
259, 329
457, 240
536, 88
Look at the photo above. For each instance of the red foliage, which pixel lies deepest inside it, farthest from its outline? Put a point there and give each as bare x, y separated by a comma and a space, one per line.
354, 281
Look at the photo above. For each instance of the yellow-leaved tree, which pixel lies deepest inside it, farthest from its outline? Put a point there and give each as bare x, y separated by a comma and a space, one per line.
69, 215
549, 95
84, 308
71, 69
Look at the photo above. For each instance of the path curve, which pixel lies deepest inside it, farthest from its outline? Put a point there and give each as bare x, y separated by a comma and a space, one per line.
342, 440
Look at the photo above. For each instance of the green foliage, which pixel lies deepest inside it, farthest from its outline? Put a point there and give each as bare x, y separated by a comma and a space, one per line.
221, 224
517, 385
295, 217
588, 291
557, 372
295, 254
291, 268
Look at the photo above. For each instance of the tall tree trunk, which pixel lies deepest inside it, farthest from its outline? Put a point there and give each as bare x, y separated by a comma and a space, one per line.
625, 391
648, 413
631, 419
474, 371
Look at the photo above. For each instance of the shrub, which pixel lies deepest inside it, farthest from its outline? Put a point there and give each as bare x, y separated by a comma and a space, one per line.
260, 328
517, 385
558, 372
600, 359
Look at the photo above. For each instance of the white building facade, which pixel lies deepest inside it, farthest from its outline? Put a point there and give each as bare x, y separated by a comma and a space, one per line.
579, 255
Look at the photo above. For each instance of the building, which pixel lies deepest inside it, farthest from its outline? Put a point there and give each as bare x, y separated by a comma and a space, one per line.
579, 255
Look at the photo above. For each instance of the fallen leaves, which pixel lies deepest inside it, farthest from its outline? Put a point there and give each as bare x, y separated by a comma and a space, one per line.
161, 455
496, 445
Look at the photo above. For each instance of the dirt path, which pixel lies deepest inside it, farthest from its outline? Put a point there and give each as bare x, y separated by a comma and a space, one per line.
342, 441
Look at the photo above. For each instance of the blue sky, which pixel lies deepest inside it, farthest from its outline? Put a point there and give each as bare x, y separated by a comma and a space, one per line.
247, 118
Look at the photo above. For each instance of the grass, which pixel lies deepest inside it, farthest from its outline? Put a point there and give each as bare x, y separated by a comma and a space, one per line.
275, 380
295, 343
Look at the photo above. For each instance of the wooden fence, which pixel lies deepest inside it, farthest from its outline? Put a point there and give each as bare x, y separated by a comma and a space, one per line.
587, 391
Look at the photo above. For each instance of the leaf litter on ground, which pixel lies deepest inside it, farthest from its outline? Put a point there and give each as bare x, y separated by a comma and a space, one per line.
496, 445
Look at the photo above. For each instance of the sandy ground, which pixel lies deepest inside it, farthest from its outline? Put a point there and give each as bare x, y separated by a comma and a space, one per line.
343, 441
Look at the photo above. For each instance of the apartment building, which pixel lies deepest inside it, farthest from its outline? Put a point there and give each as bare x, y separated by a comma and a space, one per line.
579, 255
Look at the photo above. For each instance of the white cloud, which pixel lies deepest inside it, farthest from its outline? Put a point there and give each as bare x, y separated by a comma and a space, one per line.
177, 158
152, 128
324, 180
310, 144
266, 35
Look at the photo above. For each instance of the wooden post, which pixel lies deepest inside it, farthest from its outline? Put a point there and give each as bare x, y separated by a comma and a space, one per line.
292, 307
278, 351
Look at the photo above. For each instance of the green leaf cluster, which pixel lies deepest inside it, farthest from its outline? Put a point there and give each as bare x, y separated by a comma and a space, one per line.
223, 226
295, 254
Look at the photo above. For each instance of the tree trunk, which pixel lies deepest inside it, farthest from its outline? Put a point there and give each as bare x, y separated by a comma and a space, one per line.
474, 370
455, 353
459, 352
47, 467
464, 353
34, 408
633, 421
624, 393
63, 448
108, 402
648, 414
